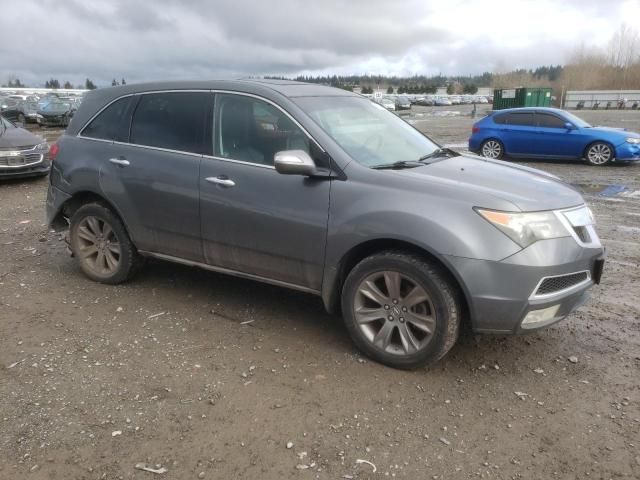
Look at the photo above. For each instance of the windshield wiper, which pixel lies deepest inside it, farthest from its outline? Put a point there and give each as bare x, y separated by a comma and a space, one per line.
438, 152
398, 165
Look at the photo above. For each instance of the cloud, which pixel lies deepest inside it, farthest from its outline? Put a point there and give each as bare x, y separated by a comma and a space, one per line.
169, 39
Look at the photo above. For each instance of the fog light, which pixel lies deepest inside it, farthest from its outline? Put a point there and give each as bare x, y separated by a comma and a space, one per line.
539, 318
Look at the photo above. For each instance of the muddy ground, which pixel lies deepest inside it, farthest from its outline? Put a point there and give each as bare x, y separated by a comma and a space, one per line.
209, 376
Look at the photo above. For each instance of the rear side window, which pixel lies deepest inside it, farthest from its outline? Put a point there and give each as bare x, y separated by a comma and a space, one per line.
500, 118
174, 120
111, 123
524, 119
549, 121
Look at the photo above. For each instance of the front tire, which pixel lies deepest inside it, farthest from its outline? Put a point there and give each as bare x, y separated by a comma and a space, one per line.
401, 310
101, 245
492, 148
598, 154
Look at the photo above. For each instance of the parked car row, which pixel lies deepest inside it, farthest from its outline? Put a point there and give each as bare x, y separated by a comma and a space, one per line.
432, 100
48, 110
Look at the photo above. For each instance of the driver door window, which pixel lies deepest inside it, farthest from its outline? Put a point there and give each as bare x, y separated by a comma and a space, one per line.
250, 130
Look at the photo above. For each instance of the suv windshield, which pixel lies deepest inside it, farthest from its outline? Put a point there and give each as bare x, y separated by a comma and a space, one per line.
369, 133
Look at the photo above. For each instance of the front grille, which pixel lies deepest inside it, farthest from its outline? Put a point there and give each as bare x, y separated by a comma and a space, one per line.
20, 160
561, 282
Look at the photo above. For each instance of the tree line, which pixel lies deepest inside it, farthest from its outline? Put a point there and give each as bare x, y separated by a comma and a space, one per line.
54, 83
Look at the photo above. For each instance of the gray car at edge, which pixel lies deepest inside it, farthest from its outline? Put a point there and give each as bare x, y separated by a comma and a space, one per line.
321, 190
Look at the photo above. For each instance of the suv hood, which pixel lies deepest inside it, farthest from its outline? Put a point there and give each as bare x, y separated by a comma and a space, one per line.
17, 138
526, 188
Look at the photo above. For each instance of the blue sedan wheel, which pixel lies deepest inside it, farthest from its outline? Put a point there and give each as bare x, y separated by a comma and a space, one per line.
599, 154
492, 149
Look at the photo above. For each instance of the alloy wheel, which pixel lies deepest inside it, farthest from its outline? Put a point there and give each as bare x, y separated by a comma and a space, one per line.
491, 149
99, 248
394, 312
599, 154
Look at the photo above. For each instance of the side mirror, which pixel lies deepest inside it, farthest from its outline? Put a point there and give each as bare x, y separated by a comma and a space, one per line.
569, 126
294, 162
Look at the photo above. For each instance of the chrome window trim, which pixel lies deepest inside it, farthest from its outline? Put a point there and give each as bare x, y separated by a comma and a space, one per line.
160, 149
564, 291
240, 162
232, 92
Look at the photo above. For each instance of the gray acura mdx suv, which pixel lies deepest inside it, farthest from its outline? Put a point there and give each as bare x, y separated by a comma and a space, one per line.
323, 191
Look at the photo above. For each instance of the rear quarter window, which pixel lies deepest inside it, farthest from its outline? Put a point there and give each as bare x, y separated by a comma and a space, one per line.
111, 123
524, 119
499, 118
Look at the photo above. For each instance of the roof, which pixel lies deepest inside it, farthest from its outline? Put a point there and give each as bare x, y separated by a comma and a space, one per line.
531, 109
271, 89
288, 88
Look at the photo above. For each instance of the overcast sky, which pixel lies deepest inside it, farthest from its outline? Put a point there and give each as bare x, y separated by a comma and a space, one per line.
201, 39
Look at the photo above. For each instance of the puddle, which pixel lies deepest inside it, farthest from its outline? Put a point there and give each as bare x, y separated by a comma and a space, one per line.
603, 190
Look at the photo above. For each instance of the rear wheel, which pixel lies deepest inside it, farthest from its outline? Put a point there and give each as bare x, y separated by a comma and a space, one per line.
401, 310
492, 149
599, 153
101, 245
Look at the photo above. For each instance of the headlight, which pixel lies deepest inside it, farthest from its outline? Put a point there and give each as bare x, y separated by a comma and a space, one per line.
633, 140
526, 228
44, 147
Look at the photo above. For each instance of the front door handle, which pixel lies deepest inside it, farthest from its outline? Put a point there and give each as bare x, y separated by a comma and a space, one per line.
120, 161
223, 181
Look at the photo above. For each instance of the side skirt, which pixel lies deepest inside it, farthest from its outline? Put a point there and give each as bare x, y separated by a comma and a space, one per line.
228, 271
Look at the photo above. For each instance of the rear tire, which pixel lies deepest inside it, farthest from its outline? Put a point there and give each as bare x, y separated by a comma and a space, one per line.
401, 310
101, 245
599, 153
492, 148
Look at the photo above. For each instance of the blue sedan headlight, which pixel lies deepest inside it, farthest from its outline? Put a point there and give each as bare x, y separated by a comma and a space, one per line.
633, 140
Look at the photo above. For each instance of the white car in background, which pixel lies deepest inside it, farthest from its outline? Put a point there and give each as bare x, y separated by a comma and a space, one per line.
388, 103
442, 101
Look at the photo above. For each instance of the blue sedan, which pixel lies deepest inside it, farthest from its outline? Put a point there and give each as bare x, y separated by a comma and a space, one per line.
551, 133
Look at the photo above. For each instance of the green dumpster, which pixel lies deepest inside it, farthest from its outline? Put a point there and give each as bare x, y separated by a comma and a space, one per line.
521, 97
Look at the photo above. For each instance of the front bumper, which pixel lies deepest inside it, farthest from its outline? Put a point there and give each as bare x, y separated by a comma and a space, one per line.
502, 294
628, 152
27, 163
51, 121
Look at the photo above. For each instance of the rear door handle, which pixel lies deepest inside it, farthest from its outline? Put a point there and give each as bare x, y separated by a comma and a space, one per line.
120, 161
221, 180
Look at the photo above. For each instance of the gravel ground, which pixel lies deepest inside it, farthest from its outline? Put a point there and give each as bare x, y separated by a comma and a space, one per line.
202, 375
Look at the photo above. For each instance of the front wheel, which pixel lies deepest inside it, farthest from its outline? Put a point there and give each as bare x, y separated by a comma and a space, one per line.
492, 149
599, 154
401, 310
101, 244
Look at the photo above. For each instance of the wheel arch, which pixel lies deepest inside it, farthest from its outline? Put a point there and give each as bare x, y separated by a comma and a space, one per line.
332, 287
61, 219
